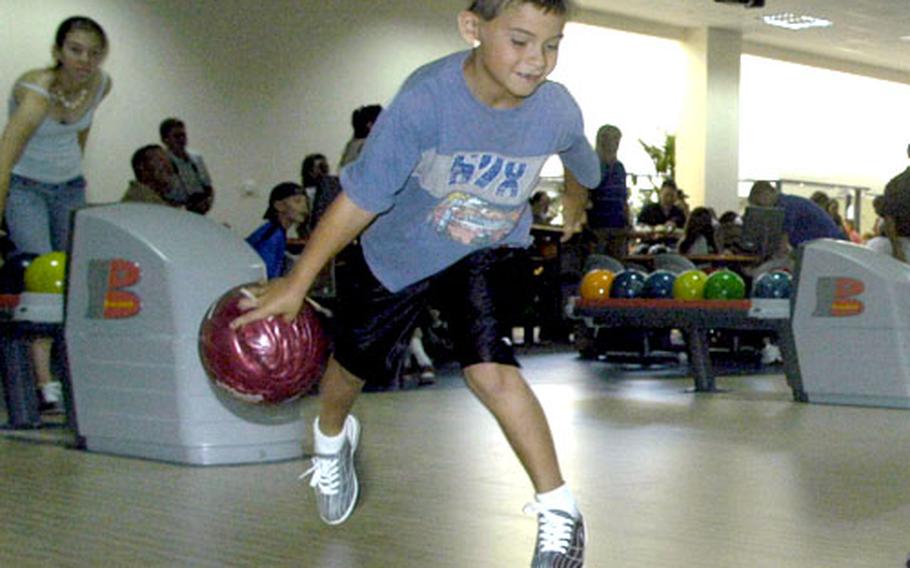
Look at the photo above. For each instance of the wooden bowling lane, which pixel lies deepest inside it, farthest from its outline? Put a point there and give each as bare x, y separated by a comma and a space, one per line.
666, 479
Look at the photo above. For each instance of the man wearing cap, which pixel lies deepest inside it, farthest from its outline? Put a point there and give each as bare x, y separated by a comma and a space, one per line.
288, 207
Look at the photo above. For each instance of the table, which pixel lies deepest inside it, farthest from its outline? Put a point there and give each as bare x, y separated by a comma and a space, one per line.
647, 260
695, 318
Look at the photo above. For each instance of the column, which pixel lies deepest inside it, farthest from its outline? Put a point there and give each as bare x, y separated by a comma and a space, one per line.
707, 144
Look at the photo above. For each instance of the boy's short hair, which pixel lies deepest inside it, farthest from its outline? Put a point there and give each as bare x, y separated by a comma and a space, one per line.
489, 9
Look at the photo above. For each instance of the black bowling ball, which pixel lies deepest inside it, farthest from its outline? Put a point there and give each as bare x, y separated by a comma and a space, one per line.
12, 273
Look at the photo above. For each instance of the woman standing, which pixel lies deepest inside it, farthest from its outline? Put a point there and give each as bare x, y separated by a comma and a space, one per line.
41, 181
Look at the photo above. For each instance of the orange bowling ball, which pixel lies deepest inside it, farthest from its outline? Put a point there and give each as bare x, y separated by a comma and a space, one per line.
596, 284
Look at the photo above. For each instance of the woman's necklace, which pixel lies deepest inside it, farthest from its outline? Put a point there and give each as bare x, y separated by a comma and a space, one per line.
69, 104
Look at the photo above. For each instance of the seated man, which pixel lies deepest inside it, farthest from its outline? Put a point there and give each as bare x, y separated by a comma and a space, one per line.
321, 187
288, 207
667, 216
154, 174
803, 220
192, 186
669, 210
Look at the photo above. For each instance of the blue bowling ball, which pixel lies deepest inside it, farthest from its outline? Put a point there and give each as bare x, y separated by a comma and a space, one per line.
659, 284
776, 284
12, 273
628, 284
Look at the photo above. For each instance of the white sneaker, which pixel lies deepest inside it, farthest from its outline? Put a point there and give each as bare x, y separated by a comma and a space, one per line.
52, 392
334, 479
560, 538
770, 354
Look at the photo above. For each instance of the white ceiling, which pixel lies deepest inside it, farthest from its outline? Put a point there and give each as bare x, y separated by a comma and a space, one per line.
865, 32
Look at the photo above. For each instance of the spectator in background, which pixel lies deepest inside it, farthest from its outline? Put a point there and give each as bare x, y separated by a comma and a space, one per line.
608, 217
321, 188
362, 120
51, 110
670, 208
698, 238
821, 199
193, 185
803, 220
154, 175
729, 233
540, 208
288, 207
850, 233
894, 209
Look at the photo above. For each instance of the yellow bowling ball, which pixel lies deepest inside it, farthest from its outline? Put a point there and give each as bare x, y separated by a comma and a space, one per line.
596, 284
47, 274
690, 285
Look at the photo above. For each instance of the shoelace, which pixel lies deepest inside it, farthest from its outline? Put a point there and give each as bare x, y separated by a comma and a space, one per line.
325, 475
554, 531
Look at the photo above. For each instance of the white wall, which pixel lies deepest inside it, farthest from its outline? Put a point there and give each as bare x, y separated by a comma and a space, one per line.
260, 84
802, 122
640, 94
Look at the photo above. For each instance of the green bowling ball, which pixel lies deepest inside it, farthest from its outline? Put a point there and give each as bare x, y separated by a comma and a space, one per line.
725, 285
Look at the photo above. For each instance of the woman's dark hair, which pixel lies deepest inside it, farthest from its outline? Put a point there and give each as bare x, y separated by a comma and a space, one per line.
79, 23
307, 166
728, 217
699, 224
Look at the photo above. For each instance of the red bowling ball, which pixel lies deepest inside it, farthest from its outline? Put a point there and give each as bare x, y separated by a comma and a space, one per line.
264, 362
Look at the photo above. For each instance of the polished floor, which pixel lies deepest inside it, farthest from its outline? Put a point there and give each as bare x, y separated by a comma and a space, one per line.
666, 478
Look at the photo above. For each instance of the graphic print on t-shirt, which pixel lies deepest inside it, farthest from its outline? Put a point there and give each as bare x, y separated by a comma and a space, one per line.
482, 195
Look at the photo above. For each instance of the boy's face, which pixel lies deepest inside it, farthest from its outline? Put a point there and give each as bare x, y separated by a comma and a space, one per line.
515, 53
294, 208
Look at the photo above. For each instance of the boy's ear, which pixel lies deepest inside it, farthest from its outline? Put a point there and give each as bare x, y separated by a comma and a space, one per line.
469, 27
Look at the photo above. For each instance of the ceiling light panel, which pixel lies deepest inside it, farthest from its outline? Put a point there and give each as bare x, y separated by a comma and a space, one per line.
790, 21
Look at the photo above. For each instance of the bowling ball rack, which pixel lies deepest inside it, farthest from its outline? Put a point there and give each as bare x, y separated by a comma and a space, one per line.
20, 395
695, 319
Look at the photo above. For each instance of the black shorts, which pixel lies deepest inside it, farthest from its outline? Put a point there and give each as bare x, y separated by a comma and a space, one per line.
374, 326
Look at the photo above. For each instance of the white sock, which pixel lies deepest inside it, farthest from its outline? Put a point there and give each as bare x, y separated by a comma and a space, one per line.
560, 498
326, 445
419, 352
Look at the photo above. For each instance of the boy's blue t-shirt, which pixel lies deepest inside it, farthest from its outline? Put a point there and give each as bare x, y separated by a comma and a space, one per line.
448, 175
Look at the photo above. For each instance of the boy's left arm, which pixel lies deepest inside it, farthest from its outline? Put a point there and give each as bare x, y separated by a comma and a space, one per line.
574, 199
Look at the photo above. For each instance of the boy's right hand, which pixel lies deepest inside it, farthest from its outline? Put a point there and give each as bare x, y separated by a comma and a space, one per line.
273, 298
